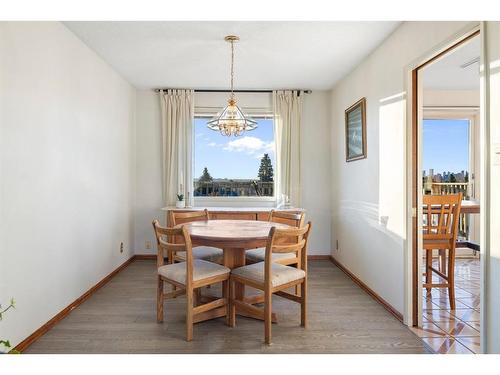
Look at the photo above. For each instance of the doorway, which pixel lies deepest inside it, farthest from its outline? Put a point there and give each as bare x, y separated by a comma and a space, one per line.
445, 162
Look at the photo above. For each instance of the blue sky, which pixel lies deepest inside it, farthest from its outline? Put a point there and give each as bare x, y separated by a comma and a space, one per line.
446, 145
231, 157
445, 148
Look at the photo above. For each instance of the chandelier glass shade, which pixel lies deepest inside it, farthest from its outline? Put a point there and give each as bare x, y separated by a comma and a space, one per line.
231, 120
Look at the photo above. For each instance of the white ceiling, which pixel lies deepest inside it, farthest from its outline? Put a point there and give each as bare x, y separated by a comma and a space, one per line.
270, 55
447, 73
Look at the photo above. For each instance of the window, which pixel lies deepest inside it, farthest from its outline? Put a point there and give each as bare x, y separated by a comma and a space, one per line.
446, 156
234, 166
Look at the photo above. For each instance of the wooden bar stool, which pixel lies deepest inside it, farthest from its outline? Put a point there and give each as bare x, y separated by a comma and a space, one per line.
187, 277
275, 278
440, 229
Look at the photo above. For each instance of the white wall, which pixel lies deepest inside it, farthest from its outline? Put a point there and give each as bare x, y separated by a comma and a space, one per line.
315, 163
450, 98
148, 201
369, 219
492, 214
66, 171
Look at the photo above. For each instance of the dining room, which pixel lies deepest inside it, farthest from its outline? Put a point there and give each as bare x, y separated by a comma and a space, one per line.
239, 187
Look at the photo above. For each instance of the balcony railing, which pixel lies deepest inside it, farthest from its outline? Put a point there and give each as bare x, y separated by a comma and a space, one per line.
444, 188
231, 188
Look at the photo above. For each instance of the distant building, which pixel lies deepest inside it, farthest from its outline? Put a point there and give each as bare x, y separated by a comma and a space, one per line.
223, 187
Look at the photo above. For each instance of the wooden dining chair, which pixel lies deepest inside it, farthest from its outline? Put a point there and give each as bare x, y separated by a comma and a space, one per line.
187, 277
294, 219
207, 253
274, 278
440, 229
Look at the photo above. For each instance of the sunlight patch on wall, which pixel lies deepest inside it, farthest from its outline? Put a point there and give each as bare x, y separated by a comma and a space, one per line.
392, 115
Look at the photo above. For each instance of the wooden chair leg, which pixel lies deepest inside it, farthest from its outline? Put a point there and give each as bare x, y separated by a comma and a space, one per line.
189, 314
268, 309
428, 270
232, 308
226, 295
298, 287
159, 301
303, 304
197, 297
451, 278
171, 261
442, 260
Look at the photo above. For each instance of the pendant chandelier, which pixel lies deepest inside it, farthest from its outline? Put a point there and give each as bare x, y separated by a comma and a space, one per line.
231, 120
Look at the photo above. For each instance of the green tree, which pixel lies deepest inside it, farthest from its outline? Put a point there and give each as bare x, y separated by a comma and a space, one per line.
453, 178
266, 173
5, 346
205, 176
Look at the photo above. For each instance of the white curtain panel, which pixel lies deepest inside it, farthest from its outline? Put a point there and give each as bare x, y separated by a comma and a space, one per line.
287, 119
177, 116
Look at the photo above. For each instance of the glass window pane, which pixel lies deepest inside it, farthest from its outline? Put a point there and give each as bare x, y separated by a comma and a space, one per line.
235, 166
446, 155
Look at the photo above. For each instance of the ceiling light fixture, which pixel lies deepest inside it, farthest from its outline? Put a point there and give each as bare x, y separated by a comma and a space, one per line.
231, 120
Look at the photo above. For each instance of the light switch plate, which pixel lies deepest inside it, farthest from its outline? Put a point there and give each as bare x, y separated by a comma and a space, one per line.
496, 154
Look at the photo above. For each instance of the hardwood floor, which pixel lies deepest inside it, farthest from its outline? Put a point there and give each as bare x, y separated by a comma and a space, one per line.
121, 318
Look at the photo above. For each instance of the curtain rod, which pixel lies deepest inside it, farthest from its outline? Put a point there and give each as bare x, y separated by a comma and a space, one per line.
242, 91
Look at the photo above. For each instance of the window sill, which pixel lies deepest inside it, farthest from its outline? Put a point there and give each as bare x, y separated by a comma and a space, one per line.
235, 201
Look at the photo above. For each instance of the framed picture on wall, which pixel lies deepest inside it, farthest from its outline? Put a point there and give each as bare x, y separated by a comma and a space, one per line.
355, 131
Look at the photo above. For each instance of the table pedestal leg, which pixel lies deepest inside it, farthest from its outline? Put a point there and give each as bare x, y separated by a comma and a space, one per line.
234, 258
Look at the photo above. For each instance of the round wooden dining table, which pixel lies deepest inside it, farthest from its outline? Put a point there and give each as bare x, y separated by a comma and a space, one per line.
234, 237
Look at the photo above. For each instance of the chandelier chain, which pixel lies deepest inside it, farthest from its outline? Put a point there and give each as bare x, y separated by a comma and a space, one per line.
231, 121
232, 69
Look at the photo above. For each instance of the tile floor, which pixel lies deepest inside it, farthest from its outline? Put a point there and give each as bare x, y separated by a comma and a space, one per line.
456, 331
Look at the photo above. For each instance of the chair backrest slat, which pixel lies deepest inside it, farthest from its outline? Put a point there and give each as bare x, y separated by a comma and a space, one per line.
292, 218
441, 214
182, 217
289, 248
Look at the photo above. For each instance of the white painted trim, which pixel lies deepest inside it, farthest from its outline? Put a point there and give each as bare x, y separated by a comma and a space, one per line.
235, 201
484, 140
408, 275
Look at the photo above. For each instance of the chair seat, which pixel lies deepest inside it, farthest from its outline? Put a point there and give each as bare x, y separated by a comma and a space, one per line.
201, 270
210, 254
259, 255
280, 274
432, 244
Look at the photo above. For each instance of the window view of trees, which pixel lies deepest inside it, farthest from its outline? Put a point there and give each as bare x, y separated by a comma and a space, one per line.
205, 185
266, 169
234, 166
